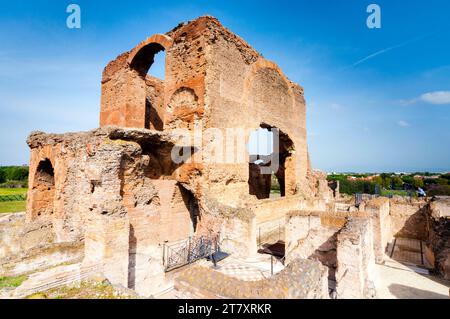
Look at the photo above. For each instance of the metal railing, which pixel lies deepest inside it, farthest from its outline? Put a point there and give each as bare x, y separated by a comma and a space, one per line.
187, 251
274, 260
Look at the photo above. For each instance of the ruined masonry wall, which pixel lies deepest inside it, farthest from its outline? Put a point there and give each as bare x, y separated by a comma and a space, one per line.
355, 260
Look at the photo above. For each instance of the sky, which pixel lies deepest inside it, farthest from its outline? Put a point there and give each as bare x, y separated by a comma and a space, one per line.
377, 99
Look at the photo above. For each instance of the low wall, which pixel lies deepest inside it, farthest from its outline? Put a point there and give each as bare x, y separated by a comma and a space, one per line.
53, 278
355, 260
107, 244
40, 258
302, 279
237, 227
313, 235
408, 217
17, 237
378, 209
271, 209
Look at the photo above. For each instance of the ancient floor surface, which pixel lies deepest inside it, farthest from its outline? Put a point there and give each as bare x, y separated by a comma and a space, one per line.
405, 277
405, 274
250, 269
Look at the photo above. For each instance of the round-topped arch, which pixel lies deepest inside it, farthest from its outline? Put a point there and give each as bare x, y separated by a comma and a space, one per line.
142, 56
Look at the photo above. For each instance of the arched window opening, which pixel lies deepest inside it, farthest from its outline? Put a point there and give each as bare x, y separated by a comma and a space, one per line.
150, 63
269, 150
146, 57
158, 67
43, 189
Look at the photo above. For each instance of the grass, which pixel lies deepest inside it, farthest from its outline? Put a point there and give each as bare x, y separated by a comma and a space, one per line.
12, 207
12, 282
394, 192
86, 290
13, 191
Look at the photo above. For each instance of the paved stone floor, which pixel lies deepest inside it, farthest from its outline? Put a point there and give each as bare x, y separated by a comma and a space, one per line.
400, 281
251, 269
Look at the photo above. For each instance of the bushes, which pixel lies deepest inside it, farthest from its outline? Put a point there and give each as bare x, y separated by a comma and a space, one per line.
2, 176
353, 187
14, 173
435, 190
14, 184
14, 177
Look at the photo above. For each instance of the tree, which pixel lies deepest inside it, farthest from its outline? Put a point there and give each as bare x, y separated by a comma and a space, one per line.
387, 183
378, 180
16, 173
397, 182
418, 182
2, 176
442, 181
408, 179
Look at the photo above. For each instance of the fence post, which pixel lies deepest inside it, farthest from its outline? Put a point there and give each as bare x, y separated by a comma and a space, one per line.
164, 255
189, 250
271, 265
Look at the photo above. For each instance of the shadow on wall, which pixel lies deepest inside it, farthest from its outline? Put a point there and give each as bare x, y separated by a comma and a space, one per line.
413, 227
326, 254
192, 205
406, 292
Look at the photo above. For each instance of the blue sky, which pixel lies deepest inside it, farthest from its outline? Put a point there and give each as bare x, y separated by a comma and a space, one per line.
378, 100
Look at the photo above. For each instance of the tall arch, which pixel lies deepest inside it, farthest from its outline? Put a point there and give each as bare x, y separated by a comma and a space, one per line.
43, 191
273, 164
130, 98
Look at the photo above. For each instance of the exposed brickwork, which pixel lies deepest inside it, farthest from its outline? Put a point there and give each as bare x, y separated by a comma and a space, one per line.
302, 279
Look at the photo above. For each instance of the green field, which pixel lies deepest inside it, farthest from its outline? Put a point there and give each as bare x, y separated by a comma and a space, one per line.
13, 191
12, 207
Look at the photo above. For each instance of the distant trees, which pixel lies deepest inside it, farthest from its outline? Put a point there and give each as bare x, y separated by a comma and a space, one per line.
378, 180
2, 176
11, 174
397, 182
418, 182
353, 187
433, 184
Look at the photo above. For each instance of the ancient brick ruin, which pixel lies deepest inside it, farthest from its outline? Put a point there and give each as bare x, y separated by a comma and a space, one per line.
116, 192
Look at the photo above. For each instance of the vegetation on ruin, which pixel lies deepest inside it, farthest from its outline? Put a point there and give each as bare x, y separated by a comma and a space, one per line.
389, 184
84, 290
12, 282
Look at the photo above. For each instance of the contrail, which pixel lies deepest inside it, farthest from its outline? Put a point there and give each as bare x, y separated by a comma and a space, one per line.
388, 49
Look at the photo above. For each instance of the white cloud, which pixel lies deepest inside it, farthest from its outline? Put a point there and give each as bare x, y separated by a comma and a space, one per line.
403, 123
439, 97
436, 98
